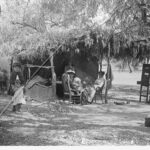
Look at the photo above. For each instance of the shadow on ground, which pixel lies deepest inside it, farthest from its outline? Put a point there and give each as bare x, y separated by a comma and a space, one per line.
95, 124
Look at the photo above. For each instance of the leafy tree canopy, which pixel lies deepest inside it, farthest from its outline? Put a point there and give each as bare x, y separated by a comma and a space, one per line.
28, 24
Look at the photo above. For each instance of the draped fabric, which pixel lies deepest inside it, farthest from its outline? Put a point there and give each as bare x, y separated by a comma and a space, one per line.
18, 97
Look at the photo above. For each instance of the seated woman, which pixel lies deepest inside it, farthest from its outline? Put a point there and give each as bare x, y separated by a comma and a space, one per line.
88, 94
100, 81
75, 82
90, 90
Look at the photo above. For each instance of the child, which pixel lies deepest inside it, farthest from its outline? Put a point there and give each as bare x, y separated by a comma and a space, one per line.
18, 99
16, 82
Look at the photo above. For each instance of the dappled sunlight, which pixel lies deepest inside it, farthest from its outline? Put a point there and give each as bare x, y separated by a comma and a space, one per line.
60, 118
37, 124
42, 41
10, 118
26, 115
92, 124
23, 130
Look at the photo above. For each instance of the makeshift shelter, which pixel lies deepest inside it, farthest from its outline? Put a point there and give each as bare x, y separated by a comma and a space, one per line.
82, 50
38, 87
42, 89
84, 62
85, 50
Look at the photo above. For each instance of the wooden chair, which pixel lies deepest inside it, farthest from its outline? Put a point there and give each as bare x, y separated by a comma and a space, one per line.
68, 92
145, 82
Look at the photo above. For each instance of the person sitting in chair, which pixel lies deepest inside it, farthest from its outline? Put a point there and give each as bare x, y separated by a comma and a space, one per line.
77, 85
75, 82
100, 81
90, 90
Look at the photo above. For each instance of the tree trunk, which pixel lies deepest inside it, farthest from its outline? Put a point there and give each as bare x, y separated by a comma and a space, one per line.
143, 11
100, 64
101, 59
129, 62
147, 60
29, 73
107, 79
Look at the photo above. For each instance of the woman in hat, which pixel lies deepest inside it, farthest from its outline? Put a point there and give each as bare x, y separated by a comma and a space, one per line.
75, 82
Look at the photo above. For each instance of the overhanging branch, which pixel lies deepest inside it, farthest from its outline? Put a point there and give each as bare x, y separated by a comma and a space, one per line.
24, 24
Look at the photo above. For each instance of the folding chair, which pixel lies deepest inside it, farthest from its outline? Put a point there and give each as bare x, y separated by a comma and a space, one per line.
145, 82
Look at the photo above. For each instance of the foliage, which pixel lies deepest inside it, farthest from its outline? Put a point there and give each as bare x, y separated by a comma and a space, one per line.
32, 26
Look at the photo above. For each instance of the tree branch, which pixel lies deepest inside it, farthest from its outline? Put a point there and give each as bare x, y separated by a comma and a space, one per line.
24, 24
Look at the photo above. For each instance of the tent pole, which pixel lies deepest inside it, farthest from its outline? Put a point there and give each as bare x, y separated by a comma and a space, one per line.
29, 71
99, 64
108, 73
53, 74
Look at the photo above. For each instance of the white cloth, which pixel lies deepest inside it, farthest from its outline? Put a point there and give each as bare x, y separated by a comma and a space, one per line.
99, 83
18, 97
90, 93
91, 90
77, 84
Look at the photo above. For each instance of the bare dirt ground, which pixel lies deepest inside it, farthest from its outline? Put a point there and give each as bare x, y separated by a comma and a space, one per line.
93, 124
